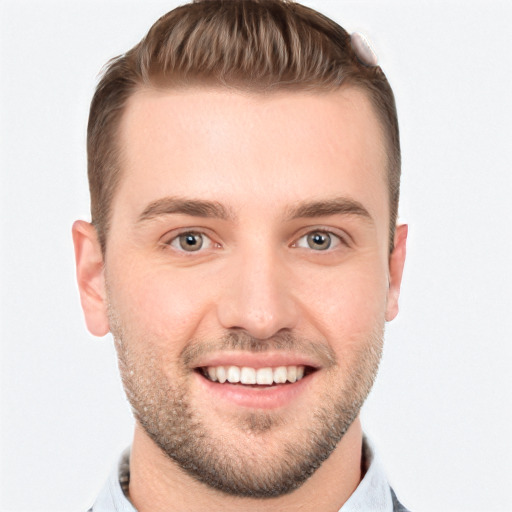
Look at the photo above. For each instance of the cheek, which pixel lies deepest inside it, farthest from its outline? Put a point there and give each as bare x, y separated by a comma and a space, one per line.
349, 305
160, 306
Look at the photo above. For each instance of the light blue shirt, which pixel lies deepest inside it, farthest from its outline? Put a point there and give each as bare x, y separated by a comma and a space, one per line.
373, 492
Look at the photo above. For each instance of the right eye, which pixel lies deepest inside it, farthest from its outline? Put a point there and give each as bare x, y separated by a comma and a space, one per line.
190, 241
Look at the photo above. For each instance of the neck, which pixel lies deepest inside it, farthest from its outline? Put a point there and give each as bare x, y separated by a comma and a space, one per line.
156, 482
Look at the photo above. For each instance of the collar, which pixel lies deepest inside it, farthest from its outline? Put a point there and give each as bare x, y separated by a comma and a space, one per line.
112, 497
372, 493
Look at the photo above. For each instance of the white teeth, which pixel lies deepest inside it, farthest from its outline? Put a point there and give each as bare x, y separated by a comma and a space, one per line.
212, 373
233, 374
292, 373
262, 376
280, 375
221, 374
248, 375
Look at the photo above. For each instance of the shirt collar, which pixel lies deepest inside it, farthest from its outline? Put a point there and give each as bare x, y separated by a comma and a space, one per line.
112, 498
372, 493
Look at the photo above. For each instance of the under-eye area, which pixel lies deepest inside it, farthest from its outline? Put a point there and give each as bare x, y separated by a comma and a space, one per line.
255, 377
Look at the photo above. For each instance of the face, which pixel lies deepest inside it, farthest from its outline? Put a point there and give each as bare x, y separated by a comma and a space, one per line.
247, 278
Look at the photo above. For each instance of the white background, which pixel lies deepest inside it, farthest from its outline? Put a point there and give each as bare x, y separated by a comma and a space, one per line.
440, 413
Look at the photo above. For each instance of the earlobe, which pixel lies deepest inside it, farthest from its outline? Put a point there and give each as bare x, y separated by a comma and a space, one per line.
396, 268
90, 277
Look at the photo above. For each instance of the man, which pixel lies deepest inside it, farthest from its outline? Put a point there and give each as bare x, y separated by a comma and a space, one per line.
244, 170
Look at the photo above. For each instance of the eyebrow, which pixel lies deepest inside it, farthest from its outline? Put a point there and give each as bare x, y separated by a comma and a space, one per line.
214, 209
336, 206
178, 205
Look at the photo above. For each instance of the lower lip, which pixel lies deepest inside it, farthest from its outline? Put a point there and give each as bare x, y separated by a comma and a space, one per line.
265, 397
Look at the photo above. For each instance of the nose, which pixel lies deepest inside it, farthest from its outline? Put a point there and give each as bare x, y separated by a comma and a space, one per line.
258, 296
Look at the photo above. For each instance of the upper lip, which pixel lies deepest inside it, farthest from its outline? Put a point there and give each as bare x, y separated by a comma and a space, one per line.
256, 360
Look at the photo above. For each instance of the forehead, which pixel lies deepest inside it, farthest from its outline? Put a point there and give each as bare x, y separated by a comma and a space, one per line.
262, 149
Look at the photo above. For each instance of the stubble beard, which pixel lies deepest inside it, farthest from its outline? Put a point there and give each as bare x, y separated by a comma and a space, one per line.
246, 461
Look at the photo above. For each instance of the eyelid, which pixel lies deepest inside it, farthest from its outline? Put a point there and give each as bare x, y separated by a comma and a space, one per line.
173, 236
344, 238
338, 234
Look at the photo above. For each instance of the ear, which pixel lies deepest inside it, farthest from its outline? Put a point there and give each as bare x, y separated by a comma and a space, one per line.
396, 268
90, 277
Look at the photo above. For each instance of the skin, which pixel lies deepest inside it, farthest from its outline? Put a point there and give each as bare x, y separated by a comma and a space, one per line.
260, 157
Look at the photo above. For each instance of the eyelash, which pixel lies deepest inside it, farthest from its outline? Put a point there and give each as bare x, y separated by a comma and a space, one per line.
333, 238
176, 243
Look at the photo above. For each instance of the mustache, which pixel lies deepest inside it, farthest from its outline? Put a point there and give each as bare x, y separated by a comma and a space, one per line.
242, 341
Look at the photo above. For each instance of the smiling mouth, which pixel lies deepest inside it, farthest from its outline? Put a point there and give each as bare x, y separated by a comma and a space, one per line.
255, 377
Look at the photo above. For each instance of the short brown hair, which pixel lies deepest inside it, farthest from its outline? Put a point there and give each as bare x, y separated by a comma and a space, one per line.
254, 45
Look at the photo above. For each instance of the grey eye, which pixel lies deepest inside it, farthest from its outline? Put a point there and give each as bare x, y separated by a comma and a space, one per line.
319, 240
190, 242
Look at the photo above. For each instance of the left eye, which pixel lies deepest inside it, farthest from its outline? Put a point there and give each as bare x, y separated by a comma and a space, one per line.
318, 241
190, 242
